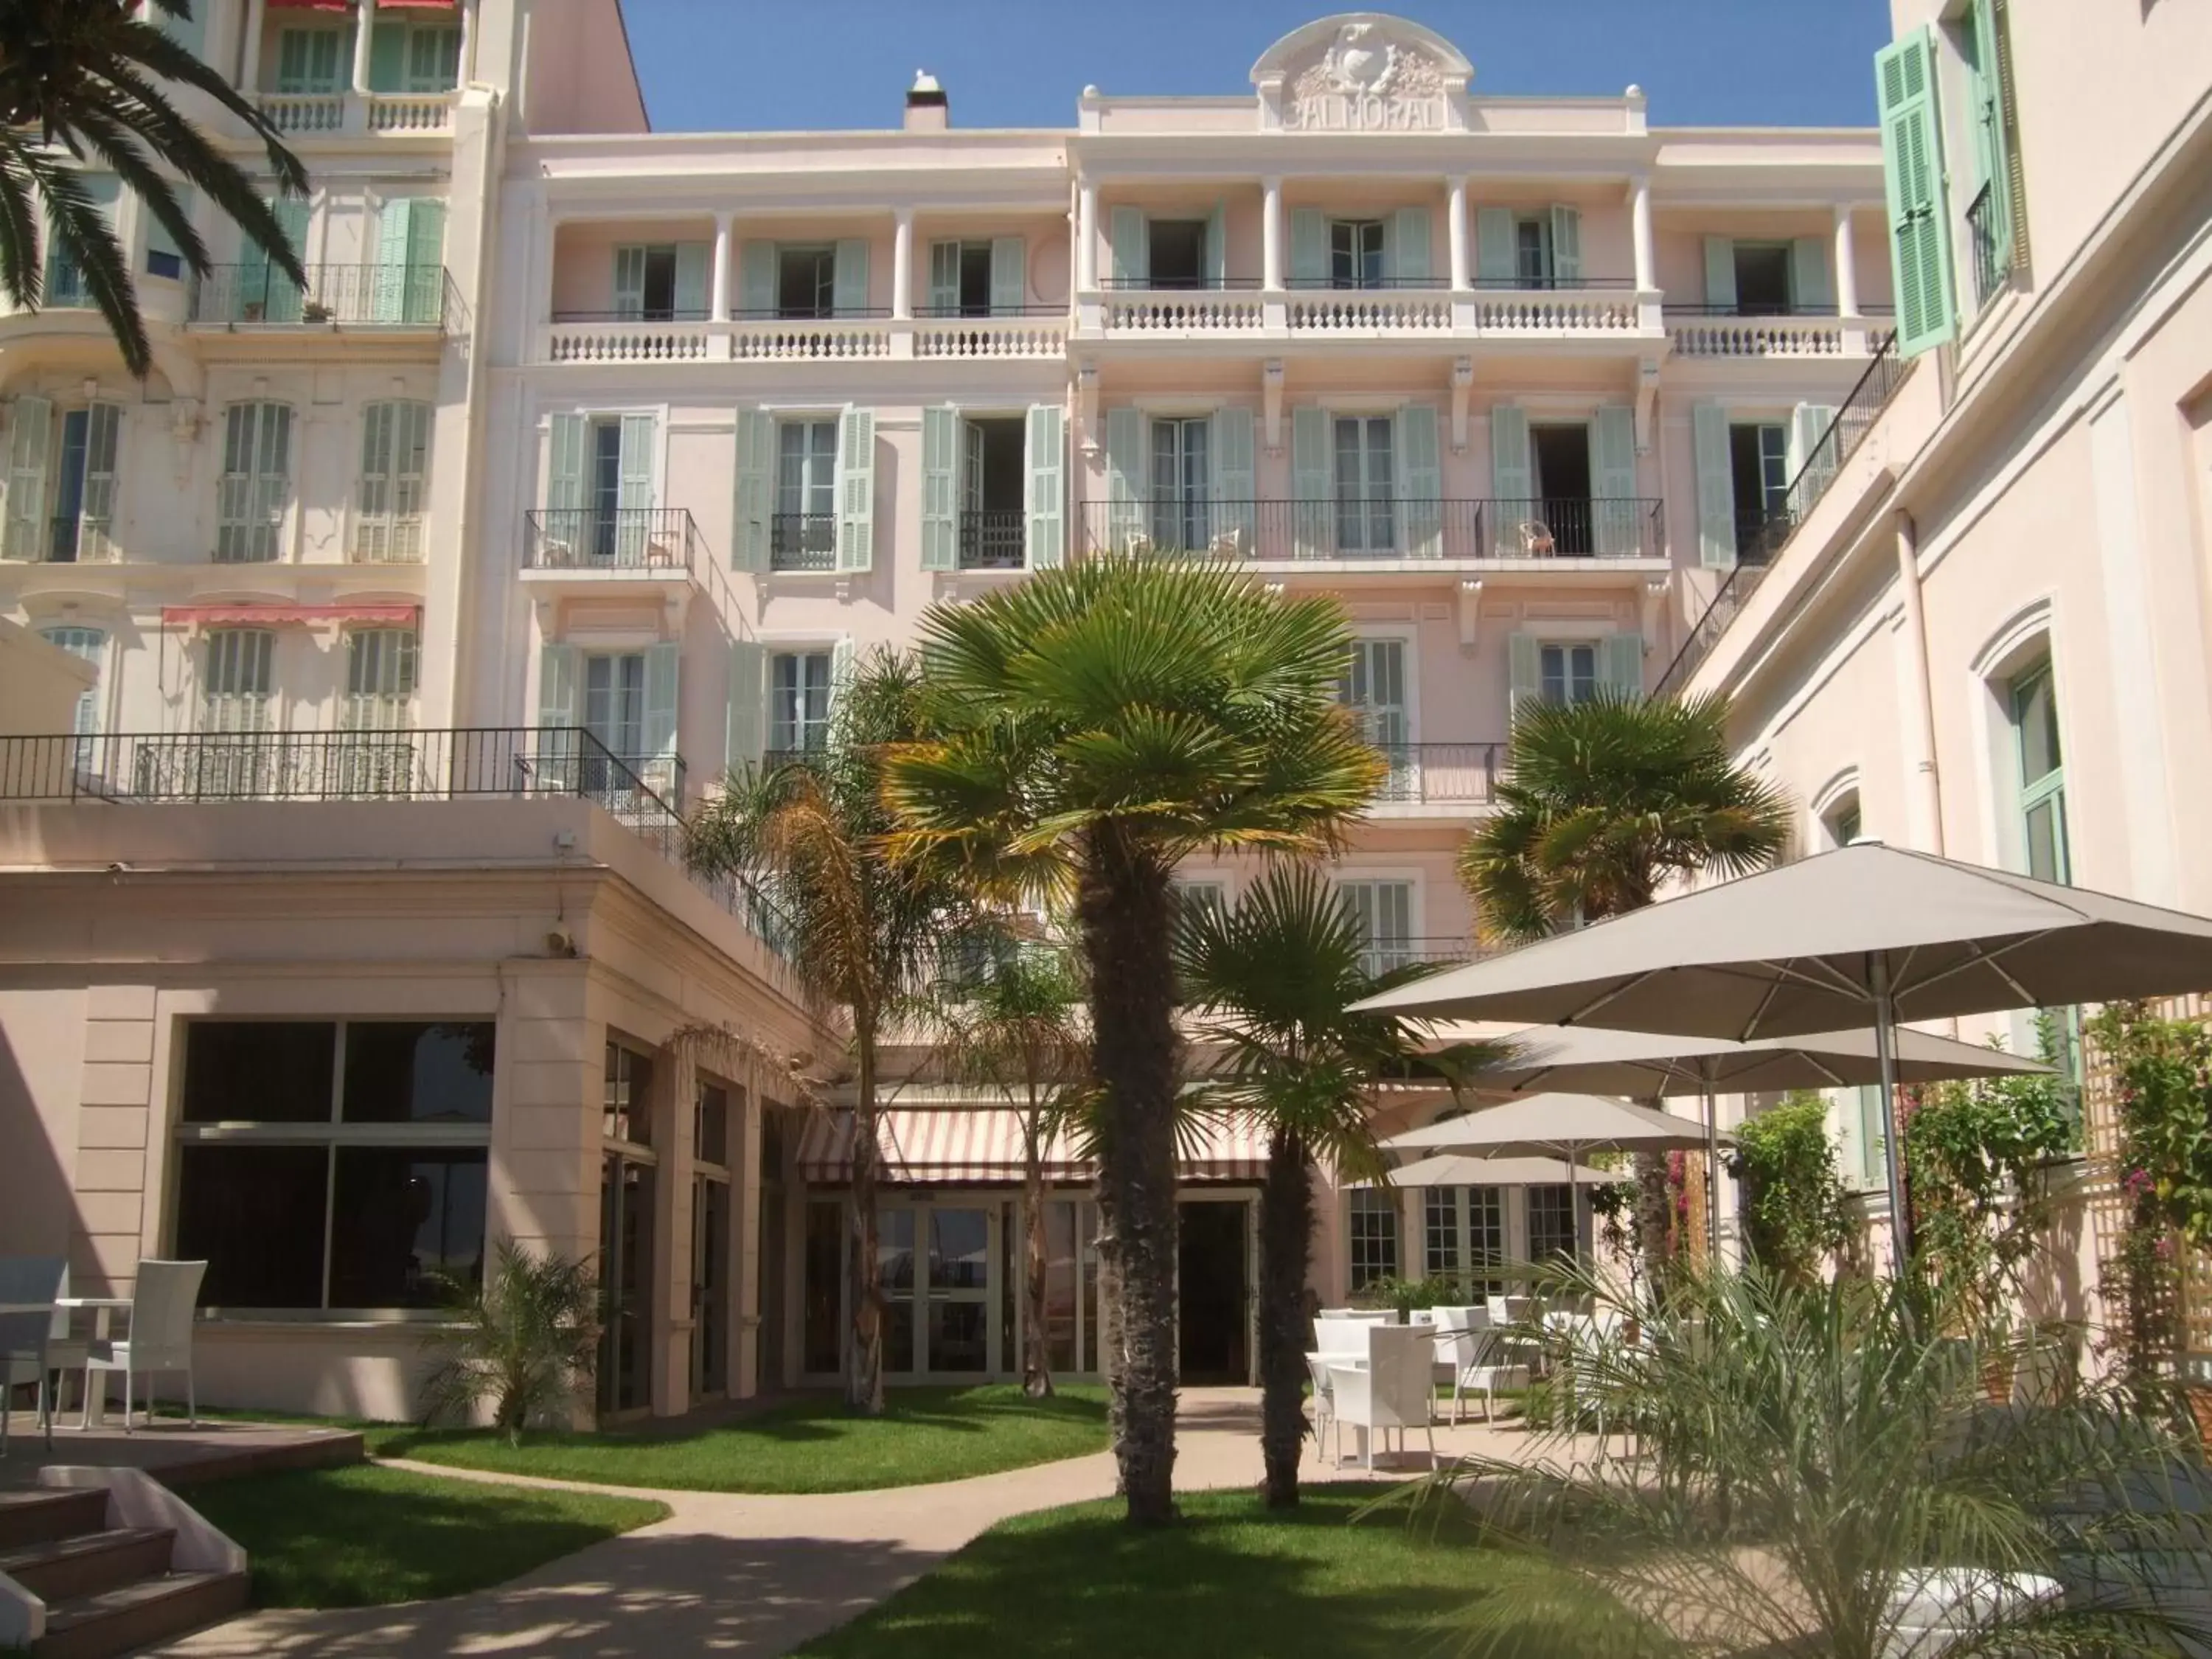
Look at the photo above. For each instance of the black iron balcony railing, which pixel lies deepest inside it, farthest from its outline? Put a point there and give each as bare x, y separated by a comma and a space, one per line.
944, 312
635, 314
1389, 955
822, 313
1182, 284
652, 538
1529, 282
1986, 234
1384, 528
1440, 773
384, 296
1363, 284
802, 541
1855, 416
1750, 308
992, 538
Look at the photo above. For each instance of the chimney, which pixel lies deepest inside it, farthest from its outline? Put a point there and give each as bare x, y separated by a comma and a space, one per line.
926, 110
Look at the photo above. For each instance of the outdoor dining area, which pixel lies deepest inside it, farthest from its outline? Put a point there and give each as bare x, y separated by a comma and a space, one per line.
43, 1340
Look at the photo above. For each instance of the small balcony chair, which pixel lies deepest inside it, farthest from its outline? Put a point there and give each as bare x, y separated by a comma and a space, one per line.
33, 1284
161, 1339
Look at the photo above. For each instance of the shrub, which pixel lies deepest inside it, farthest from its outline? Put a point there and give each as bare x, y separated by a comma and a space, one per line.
524, 1340
1795, 1206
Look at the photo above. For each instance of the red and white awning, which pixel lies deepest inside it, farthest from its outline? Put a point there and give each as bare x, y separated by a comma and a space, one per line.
248, 615
982, 1145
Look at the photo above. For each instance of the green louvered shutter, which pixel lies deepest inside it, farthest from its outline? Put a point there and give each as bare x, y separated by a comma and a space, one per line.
856, 488
1810, 290
1720, 272
1912, 176
848, 276
387, 57
1812, 452
1009, 275
1409, 244
663, 664
629, 282
1613, 478
940, 488
692, 263
1709, 433
1496, 263
1512, 478
1312, 483
1125, 477
1234, 481
944, 279
744, 704
756, 279
30, 434
1524, 672
756, 489
1420, 480
1620, 658
1309, 247
1217, 248
1567, 246
1133, 260
1044, 499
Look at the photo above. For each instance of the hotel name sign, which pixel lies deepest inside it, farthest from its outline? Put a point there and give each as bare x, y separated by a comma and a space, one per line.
1366, 82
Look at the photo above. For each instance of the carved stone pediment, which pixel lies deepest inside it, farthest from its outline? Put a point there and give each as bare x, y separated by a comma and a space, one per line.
1362, 72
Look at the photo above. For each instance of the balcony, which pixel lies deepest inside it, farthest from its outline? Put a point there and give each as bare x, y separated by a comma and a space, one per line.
1389, 955
1437, 774
73, 540
418, 298
1732, 331
355, 115
1356, 532
1412, 310
594, 544
1989, 239
802, 541
1036, 333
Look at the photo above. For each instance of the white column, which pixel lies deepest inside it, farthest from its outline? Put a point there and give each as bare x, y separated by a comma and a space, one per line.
1455, 231
1847, 266
1639, 219
903, 263
1271, 234
249, 63
466, 72
718, 300
364, 27
1086, 237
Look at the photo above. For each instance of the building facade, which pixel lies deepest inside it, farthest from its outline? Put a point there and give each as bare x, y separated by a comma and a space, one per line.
590, 456
1986, 636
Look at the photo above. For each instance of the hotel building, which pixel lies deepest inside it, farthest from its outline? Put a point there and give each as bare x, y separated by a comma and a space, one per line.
343, 932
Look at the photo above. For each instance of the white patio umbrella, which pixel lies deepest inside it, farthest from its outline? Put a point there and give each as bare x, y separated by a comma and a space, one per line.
1458, 1169
1648, 1066
1868, 931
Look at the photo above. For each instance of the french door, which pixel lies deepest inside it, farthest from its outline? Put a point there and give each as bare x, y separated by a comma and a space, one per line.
1181, 484
1366, 485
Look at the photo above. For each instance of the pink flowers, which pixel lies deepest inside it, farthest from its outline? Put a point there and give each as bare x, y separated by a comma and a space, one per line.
2136, 1183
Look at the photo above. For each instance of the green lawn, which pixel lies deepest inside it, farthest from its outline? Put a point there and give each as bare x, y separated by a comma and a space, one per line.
804, 1445
1078, 1581
362, 1536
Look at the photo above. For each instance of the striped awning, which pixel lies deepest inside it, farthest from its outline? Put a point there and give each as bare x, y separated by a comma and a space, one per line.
982, 1145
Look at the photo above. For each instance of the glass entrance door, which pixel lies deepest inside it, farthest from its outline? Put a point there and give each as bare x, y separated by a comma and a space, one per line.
710, 1297
625, 1371
936, 1266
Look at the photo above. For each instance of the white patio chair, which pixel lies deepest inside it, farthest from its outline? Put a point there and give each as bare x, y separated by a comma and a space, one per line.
161, 1339
1324, 1404
1485, 1362
1391, 1391
30, 1282
1341, 1339
1934, 1609
1361, 1315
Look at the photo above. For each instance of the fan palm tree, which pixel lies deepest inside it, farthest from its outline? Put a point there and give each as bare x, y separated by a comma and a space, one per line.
1087, 730
1270, 982
1020, 1028
1602, 801
81, 81
807, 836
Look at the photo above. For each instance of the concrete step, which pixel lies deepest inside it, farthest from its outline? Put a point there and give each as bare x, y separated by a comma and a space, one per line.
136, 1615
40, 1518
60, 1569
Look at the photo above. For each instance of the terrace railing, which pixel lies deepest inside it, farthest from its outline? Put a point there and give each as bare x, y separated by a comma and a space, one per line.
1380, 528
384, 296
1855, 418
659, 538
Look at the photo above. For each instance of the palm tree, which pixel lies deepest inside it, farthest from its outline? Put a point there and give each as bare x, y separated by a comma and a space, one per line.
1088, 730
1271, 981
860, 929
1019, 1027
81, 81
1602, 801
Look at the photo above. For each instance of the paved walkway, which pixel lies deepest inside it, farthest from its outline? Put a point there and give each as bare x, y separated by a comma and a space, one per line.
756, 1576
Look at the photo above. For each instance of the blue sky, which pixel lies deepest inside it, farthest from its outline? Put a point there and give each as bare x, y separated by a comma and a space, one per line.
769, 65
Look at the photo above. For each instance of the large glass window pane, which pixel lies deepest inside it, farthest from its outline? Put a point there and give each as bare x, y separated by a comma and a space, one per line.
258, 1071
1551, 1224
405, 1222
254, 1215
1444, 1241
959, 1338
2046, 839
959, 1250
403, 1072
824, 1328
895, 1273
1060, 1284
2035, 712
627, 1112
710, 1126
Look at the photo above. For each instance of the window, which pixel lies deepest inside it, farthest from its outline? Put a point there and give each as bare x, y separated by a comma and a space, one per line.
1202, 895
334, 1163
627, 1113
1366, 484
803, 534
235, 689
65, 284
798, 701
90, 645
1758, 469
2042, 774
1374, 1236
434, 58
163, 257
1532, 251
257, 483
806, 280
380, 670
993, 527
1560, 458
1464, 1236
1374, 688
83, 509
661, 281
1355, 253
960, 279
1178, 252
614, 704
1763, 287
1183, 499
1570, 672
1994, 209
1383, 911
1842, 823
1863, 1106
1552, 1233
314, 61
395, 456
710, 1125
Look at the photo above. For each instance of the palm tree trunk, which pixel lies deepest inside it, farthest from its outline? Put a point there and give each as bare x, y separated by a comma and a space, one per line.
1122, 907
864, 1364
1036, 1352
1655, 1206
1285, 1242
